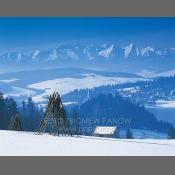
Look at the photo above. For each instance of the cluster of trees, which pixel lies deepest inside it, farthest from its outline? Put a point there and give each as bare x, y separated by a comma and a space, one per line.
28, 113
82, 95
149, 91
76, 124
111, 106
8, 109
27, 117
31, 115
171, 133
129, 134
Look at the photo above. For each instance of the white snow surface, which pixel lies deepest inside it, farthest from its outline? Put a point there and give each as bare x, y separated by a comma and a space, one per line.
166, 73
131, 89
165, 104
14, 143
152, 74
17, 92
66, 85
9, 80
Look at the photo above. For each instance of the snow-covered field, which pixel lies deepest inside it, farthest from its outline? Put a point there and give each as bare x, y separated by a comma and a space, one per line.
29, 144
165, 103
66, 85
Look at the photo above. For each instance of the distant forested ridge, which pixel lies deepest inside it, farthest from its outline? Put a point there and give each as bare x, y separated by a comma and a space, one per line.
106, 106
142, 92
111, 106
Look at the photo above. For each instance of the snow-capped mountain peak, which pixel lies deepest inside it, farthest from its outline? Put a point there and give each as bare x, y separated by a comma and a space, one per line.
146, 51
88, 52
71, 54
106, 52
89, 55
131, 49
35, 54
53, 55
19, 57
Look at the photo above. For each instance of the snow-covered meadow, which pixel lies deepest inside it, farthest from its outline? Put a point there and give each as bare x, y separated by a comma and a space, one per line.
66, 85
14, 143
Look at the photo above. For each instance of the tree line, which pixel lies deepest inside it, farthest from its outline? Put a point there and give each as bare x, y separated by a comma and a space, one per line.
28, 115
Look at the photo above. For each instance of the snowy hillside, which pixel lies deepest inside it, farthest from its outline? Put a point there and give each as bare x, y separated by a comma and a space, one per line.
66, 85
23, 144
40, 83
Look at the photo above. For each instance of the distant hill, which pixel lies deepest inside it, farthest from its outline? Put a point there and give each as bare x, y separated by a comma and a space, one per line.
39, 83
142, 92
114, 106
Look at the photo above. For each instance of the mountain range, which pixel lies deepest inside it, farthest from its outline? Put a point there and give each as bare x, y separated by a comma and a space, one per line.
89, 52
109, 56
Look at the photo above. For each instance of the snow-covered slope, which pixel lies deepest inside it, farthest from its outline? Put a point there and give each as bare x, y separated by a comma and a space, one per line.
29, 144
166, 73
155, 74
65, 85
40, 83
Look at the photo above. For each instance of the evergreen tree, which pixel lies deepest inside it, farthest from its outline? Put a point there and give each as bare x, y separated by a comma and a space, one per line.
129, 134
10, 109
115, 106
24, 108
171, 133
30, 107
30, 114
15, 123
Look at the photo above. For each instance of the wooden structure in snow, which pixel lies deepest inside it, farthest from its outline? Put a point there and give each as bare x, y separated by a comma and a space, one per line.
55, 115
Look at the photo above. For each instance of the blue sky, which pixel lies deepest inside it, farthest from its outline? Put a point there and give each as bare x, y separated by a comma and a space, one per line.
30, 33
